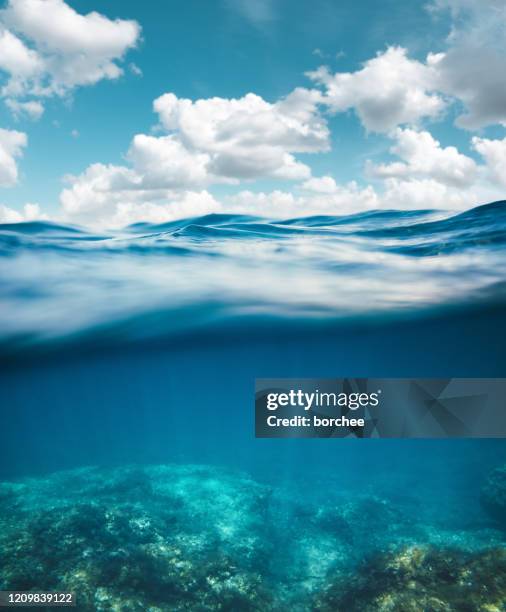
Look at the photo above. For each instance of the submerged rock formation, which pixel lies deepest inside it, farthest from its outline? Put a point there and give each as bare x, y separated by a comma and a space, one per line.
416, 579
175, 538
163, 538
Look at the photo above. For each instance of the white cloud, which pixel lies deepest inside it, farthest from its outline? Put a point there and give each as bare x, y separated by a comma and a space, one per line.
179, 206
248, 138
473, 75
57, 27
345, 199
271, 204
321, 184
392, 193
30, 212
164, 163
11, 148
423, 158
431, 176
412, 194
47, 48
428, 175
99, 187
472, 69
208, 142
393, 90
113, 196
16, 58
33, 109
389, 90
494, 154
168, 175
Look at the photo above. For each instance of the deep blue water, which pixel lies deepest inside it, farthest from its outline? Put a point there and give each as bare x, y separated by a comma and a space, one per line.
142, 346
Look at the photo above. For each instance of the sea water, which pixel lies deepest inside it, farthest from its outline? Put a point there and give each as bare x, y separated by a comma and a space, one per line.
128, 361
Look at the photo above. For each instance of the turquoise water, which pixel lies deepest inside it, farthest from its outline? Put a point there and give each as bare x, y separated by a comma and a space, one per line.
127, 374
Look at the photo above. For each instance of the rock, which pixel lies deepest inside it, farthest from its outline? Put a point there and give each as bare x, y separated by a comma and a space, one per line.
190, 537
421, 578
161, 538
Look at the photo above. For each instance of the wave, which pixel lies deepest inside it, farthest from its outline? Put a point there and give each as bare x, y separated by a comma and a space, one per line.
58, 280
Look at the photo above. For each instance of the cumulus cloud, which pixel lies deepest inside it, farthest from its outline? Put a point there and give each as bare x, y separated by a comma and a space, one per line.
472, 68
390, 194
344, 199
389, 90
392, 89
172, 207
11, 148
428, 175
423, 157
30, 212
249, 137
16, 58
413, 194
483, 92
494, 154
424, 175
114, 196
206, 142
47, 48
164, 162
168, 183
320, 184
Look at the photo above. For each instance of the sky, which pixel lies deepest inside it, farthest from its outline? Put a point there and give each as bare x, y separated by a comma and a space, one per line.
115, 112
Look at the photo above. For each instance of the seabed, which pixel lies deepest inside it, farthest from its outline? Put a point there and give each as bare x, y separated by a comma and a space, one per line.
195, 537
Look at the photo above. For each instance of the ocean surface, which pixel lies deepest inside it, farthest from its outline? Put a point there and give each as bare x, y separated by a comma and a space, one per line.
127, 368
59, 283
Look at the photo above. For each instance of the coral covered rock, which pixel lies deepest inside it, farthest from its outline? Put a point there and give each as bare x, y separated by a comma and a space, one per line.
418, 579
161, 538
174, 538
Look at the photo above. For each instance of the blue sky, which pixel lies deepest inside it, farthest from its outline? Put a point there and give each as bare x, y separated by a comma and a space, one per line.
96, 68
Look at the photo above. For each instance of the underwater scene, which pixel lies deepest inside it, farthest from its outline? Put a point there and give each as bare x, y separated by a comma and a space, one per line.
129, 469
